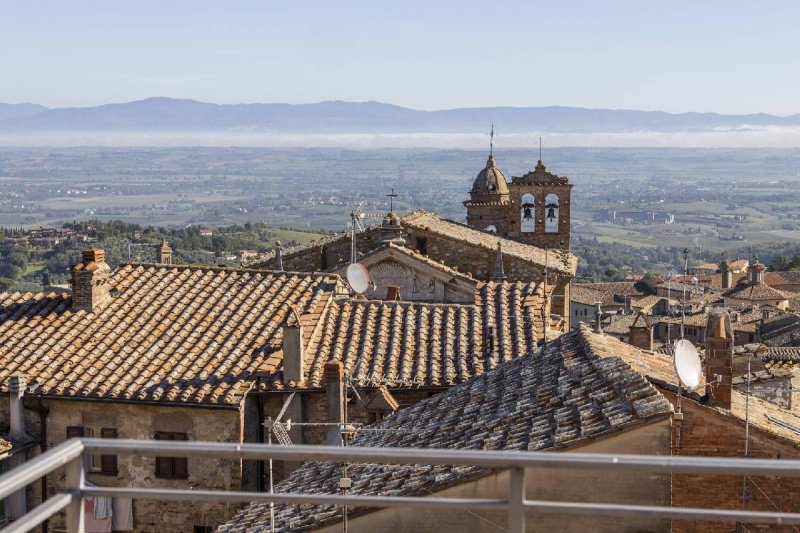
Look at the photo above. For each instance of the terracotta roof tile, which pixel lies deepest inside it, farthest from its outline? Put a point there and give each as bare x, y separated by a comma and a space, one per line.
169, 333
550, 400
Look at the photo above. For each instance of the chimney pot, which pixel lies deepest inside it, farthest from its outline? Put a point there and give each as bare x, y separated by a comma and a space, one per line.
16, 390
294, 362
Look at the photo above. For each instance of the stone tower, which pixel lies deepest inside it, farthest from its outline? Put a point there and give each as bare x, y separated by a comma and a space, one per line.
534, 208
541, 201
488, 206
164, 253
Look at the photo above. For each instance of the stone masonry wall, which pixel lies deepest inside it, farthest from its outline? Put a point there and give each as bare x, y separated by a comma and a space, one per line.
140, 422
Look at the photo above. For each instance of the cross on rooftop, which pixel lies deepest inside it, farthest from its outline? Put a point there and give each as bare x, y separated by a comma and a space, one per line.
391, 196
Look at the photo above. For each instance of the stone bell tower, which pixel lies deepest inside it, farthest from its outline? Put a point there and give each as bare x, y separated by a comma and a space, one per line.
541, 209
533, 208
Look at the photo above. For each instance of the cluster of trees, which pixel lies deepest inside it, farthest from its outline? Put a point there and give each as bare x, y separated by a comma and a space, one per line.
123, 241
13, 265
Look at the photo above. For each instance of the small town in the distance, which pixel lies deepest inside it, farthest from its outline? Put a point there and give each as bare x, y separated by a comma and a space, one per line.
419, 267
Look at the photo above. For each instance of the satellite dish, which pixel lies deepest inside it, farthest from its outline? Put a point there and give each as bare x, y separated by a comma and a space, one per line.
687, 364
695, 281
358, 277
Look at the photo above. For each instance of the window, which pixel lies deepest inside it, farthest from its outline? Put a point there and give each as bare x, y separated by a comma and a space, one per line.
527, 223
203, 529
551, 209
422, 245
105, 465
171, 467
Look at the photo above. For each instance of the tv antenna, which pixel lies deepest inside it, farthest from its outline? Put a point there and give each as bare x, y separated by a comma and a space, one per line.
281, 431
356, 216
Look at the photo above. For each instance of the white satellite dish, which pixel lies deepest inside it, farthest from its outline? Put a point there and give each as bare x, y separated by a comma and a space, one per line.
687, 364
358, 277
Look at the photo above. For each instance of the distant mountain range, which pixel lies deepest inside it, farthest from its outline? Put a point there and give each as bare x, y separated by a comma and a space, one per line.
174, 115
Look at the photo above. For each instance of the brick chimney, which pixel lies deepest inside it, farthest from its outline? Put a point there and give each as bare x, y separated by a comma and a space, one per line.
727, 274
757, 273
333, 376
719, 358
164, 253
640, 333
294, 361
16, 390
90, 281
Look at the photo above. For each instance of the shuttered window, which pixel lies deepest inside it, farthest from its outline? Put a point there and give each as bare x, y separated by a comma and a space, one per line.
102, 464
171, 467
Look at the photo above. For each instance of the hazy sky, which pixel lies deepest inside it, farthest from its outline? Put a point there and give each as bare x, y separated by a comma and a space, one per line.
728, 56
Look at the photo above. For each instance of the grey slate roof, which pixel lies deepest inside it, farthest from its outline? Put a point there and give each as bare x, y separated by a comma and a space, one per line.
551, 400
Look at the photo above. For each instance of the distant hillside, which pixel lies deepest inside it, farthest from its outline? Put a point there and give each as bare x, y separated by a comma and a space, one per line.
13, 111
172, 115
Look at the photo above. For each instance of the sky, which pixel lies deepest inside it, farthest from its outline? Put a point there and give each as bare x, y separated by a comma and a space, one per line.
724, 56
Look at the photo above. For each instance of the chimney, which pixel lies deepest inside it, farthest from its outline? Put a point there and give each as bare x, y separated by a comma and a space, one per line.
90, 281
598, 316
278, 256
333, 377
393, 293
164, 253
294, 361
757, 273
727, 274
16, 390
719, 358
499, 271
640, 333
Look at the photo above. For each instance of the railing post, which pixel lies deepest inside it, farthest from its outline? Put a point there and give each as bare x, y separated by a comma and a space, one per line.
74, 485
516, 499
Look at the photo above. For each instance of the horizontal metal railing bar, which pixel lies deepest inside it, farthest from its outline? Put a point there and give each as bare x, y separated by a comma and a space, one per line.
480, 458
39, 514
483, 504
654, 511
530, 506
37, 467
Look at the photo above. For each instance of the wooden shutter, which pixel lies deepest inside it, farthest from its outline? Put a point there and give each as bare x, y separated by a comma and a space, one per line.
75, 431
180, 465
108, 463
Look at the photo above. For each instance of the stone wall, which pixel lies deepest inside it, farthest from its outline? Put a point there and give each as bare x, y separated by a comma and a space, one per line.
711, 433
140, 422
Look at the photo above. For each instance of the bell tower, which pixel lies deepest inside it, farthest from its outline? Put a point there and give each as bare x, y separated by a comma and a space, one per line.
488, 204
541, 204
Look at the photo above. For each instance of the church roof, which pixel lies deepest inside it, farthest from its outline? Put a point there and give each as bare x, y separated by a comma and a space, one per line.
490, 180
558, 261
554, 399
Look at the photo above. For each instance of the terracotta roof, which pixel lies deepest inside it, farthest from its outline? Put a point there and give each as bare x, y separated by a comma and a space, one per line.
784, 277
405, 344
563, 262
620, 324
739, 264
557, 260
168, 334
658, 368
648, 302
757, 292
581, 294
5, 446
554, 400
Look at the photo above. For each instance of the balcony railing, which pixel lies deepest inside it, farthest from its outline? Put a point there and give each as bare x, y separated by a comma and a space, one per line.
71, 455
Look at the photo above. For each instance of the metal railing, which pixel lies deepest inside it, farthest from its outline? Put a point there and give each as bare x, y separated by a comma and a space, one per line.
71, 455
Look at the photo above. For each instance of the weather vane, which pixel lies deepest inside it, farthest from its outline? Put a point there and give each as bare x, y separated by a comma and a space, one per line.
491, 140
